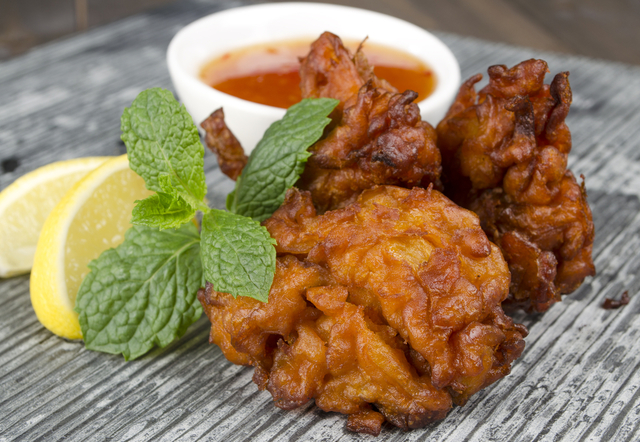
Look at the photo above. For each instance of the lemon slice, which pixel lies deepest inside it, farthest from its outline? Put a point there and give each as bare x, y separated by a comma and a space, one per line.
25, 205
92, 217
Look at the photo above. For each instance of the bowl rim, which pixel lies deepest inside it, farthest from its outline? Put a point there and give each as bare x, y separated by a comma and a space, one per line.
443, 94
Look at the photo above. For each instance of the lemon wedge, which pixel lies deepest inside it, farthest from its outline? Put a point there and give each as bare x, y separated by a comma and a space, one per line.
26, 204
92, 217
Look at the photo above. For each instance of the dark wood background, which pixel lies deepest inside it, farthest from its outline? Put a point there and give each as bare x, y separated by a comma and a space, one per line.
608, 29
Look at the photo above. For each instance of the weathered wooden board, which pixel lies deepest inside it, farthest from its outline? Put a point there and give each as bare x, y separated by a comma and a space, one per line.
579, 378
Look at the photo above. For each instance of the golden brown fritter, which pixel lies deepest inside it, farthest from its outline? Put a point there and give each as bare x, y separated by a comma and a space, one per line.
504, 154
386, 309
331, 71
328, 71
224, 144
377, 136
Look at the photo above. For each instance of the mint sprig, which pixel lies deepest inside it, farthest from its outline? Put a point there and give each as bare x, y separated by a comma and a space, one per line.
143, 292
279, 158
237, 255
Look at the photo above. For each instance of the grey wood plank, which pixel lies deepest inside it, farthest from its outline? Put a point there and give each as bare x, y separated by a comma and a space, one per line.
578, 379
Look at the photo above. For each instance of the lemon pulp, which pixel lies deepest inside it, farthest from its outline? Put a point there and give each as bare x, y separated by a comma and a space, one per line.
26, 204
100, 224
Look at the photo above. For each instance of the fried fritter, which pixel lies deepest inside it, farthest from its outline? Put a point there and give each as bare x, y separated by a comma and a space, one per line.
331, 71
504, 153
387, 309
377, 136
221, 141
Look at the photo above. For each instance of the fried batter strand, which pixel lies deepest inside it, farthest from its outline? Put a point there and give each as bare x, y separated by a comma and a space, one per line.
224, 144
504, 153
377, 136
328, 71
387, 309
331, 71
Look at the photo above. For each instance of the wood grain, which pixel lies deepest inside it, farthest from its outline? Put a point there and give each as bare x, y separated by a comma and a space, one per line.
579, 378
608, 29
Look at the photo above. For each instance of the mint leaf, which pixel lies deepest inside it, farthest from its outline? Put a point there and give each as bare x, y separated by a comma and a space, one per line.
163, 141
278, 160
143, 292
230, 200
238, 255
163, 211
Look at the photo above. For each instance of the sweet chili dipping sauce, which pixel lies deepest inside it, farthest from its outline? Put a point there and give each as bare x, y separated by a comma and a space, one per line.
268, 74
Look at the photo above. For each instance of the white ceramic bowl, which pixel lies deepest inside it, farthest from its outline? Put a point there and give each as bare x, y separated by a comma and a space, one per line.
218, 33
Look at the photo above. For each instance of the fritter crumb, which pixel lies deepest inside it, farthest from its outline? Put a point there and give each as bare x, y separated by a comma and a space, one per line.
610, 304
